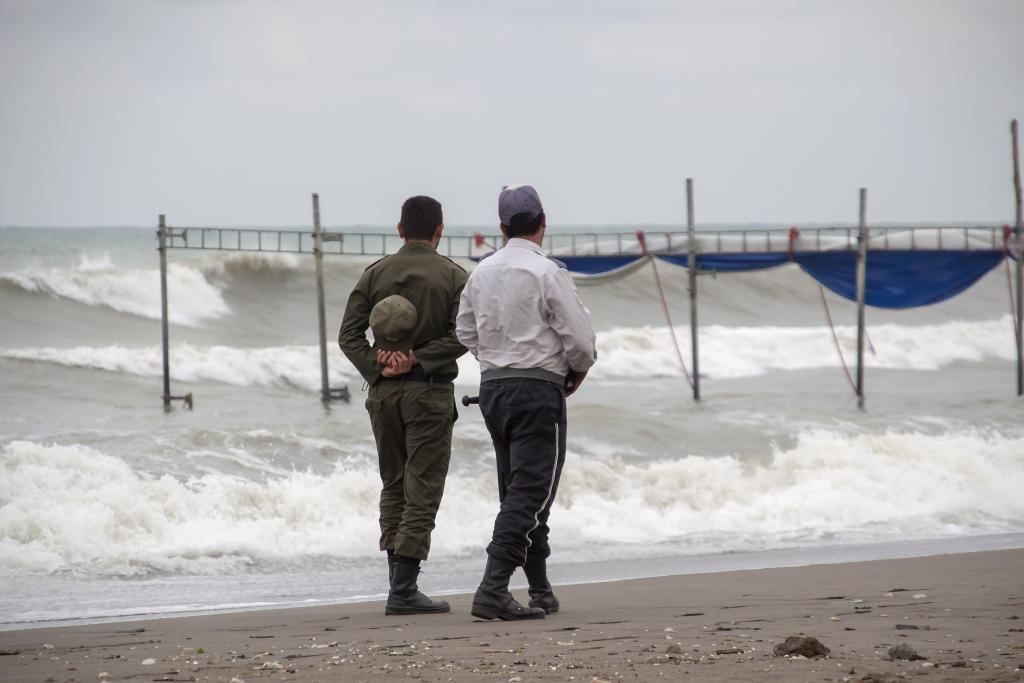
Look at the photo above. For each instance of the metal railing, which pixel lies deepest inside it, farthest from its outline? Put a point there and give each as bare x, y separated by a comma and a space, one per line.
596, 243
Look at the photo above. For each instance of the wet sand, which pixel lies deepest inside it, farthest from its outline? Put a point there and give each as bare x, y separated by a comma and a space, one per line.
963, 613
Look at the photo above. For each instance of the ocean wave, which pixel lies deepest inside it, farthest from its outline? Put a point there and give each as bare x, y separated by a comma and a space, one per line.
745, 351
96, 281
71, 508
297, 366
259, 264
624, 353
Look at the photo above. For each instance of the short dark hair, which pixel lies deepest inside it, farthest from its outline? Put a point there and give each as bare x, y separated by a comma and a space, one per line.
524, 225
420, 217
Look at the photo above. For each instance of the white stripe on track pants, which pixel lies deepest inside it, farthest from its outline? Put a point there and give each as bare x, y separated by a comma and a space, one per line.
526, 419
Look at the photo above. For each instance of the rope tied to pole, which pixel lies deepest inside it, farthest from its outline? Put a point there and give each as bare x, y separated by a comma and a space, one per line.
794, 235
1007, 234
664, 304
835, 340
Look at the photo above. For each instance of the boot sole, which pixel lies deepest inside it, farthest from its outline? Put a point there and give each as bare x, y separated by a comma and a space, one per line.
406, 611
487, 612
547, 610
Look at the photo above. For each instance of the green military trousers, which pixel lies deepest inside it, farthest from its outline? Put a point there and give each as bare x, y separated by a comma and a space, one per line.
412, 425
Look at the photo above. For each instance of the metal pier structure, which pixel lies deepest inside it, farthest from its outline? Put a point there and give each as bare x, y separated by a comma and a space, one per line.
573, 247
596, 256
750, 241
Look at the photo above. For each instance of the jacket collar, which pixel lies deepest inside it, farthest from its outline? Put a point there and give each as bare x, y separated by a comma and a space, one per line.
417, 246
525, 244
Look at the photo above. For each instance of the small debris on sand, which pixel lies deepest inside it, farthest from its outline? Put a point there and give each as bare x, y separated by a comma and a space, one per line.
272, 666
805, 646
905, 652
913, 627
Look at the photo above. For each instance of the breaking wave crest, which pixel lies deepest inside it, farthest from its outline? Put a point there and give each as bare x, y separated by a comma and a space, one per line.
638, 352
745, 351
71, 508
95, 281
297, 366
253, 263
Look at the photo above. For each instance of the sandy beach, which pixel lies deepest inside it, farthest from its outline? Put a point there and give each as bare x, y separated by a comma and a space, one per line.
962, 614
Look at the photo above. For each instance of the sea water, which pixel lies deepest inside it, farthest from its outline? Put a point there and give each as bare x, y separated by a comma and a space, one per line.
111, 508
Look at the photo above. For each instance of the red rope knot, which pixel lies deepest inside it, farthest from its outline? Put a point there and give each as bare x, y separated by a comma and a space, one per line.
794, 235
478, 239
1007, 232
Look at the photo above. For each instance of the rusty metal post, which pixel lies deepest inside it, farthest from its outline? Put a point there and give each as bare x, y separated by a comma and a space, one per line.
161, 235
691, 266
862, 267
318, 257
1018, 236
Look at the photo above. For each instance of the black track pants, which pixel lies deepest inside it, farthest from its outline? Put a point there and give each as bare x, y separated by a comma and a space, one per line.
526, 419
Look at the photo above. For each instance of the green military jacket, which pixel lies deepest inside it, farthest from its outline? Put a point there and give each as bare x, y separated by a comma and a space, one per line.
433, 283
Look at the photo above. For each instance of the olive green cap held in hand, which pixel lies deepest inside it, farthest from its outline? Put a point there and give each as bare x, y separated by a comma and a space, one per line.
393, 320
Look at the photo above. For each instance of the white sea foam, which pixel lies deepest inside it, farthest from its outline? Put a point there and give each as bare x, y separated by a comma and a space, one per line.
638, 352
70, 508
95, 281
267, 366
745, 351
257, 263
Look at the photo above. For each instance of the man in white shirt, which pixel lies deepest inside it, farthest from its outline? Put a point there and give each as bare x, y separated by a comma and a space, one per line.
520, 316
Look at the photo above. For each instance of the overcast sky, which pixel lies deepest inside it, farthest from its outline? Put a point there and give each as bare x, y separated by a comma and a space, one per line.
231, 112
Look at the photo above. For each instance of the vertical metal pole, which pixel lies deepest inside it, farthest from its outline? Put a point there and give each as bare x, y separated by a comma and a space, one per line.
161, 235
1018, 235
862, 267
318, 256
691, 266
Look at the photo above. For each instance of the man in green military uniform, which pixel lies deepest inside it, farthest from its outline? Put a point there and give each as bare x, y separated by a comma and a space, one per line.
410, 299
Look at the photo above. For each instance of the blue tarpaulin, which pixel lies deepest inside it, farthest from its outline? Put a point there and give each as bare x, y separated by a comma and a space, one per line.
895, 278
593, 265
731, 263
900, 279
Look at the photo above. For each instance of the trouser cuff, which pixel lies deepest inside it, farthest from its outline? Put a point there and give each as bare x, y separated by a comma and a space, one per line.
516, 557
538, 554
415, 551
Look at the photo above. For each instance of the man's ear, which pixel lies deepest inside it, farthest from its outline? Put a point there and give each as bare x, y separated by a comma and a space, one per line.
504, 230
436, 239
543, 220
401, 231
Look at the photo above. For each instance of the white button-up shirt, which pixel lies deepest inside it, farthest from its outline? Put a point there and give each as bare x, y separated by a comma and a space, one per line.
520, 309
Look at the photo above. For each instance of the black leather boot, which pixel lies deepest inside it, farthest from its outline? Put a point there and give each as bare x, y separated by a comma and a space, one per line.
405, 596
492, 599
541, 594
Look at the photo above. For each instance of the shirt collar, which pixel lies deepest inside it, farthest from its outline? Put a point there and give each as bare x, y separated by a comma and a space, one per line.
525, 244
411, 246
